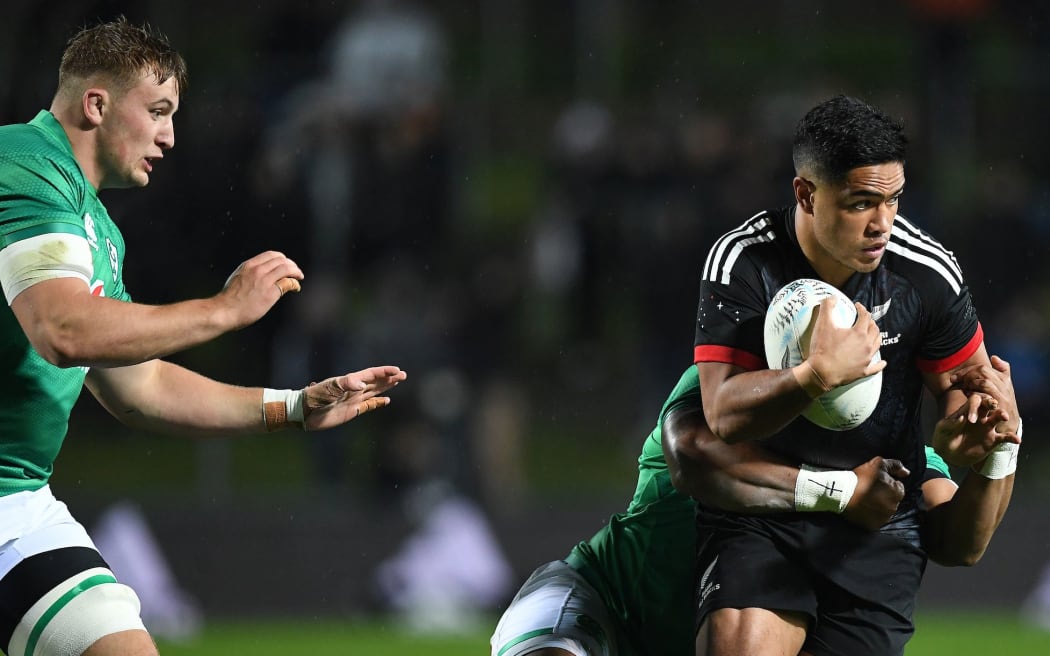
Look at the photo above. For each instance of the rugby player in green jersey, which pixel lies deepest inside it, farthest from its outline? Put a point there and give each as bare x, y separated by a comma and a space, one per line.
629, 589
69, 323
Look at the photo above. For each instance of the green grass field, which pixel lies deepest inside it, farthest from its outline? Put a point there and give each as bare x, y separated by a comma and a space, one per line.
976, 634
321, 638
939, 634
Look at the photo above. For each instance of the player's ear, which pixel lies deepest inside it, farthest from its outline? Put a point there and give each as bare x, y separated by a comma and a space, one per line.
804, 190
94, 102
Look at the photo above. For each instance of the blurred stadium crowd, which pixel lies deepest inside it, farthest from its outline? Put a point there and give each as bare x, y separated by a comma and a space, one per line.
509, 198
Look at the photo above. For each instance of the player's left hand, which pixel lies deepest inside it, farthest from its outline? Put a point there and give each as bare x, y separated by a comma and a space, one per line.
987, 419
340, 399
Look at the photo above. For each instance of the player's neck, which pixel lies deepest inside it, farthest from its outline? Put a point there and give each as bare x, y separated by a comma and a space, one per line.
828, 269
82, 139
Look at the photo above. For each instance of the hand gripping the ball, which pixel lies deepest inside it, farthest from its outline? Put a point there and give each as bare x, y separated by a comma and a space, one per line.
840, 355
340, 399
831, 345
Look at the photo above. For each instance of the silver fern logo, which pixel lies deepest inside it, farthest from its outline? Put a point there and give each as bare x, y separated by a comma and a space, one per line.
706, 588
879, 311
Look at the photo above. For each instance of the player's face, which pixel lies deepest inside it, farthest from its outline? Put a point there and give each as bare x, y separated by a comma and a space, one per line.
136, 131
852, 220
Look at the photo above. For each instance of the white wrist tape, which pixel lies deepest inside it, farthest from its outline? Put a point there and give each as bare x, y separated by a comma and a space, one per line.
817, 491
1001, 462
282, 407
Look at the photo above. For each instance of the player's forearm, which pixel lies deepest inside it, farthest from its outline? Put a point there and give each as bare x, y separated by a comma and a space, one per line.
746, 478
754, 404
734, 477
958, 532
748, 487
163, 397
101, 332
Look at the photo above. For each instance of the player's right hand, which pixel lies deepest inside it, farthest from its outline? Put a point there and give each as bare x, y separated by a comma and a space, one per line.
974, 430
879, 492
256, 285
840, 356
987, 418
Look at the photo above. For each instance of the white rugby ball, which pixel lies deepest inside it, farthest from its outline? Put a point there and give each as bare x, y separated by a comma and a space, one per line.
788, 327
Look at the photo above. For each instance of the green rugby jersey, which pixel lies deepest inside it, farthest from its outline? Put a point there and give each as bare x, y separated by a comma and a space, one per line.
641, 562
43, 191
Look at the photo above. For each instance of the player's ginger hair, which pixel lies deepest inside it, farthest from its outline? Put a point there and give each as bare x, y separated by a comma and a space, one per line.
119, 53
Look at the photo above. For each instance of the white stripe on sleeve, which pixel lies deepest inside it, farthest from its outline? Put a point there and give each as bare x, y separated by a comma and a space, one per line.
44, 257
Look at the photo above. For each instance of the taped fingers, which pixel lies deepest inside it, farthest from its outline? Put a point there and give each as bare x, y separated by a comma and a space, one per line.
285, 285
371, 404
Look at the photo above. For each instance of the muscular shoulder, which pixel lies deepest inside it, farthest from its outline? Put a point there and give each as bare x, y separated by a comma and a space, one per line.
39, 180
748, 248
29, 142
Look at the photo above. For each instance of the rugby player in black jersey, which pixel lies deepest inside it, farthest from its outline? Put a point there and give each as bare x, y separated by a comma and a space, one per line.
813, 582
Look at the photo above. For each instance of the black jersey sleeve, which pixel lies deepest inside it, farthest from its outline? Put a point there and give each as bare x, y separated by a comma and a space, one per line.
951, 331
954, 335
733, 299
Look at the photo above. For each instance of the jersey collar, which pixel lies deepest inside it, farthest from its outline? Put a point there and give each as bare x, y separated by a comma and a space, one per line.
49, 125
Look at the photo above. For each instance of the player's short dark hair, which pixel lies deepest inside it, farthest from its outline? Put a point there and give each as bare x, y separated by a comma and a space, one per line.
843, 133
121, 52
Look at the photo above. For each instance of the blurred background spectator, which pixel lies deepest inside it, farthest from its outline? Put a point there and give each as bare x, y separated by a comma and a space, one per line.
510, 199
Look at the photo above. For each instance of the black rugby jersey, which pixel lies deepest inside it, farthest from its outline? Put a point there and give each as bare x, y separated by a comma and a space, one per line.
916, 295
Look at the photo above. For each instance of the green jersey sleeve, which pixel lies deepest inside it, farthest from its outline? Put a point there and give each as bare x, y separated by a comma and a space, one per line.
935, 466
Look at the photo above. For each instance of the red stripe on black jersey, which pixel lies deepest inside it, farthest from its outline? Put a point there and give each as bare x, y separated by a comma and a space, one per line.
924, 311
710, 353
956, 359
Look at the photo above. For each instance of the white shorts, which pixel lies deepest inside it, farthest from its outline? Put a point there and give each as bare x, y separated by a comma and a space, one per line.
556, 607
35, 522
57, 595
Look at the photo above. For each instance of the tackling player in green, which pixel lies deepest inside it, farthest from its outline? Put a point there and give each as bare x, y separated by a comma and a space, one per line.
628, 590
